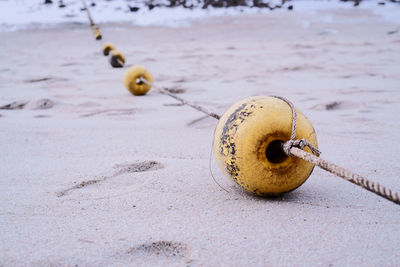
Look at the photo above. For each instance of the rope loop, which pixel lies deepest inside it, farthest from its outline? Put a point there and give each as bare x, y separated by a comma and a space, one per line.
298, 143
301, 144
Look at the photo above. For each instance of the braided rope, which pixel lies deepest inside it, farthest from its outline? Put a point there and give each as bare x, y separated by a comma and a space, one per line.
295, 148
292, 142
183, 101
347, 175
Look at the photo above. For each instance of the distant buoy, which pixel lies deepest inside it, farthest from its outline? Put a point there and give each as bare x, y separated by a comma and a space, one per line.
107, 48
117, 59
96, 32
247, 145
132, 80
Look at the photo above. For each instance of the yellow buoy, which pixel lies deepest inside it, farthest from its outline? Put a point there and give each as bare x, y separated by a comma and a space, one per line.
247, 145
134, 84
96, 32
117, 59
107, 48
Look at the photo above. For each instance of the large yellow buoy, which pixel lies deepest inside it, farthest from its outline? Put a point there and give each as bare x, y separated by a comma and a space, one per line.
247, 145
107, 48
117, 59
134, 84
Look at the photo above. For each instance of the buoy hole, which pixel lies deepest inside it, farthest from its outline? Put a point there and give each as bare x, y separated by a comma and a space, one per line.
274, 152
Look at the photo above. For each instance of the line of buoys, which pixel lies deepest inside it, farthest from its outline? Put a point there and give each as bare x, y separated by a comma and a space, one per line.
95, 28
262, 142
248, 139
117, 59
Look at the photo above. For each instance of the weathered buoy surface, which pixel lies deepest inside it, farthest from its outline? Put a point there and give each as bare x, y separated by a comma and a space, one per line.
247, 145
107, 48
117, 59
132, 80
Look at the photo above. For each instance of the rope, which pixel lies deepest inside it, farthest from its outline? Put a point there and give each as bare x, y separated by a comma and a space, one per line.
295, 148
296, 143
352, 177
95, 28
115, 60
141, 79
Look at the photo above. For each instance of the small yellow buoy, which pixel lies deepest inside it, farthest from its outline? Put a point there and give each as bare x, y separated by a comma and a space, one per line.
107, 48
96, 32
134, 84
247, 145
117, 59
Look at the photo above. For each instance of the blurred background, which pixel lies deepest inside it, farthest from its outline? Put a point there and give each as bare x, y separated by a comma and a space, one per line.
17, 14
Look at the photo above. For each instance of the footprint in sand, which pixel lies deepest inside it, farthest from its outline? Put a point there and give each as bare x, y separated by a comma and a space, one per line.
38, 80
43, 103
111, 112
44, 79
336, 105
137, 167
182, 80
300, 68
173, 105
356, 90
41, 116
14, 105
70, 64
340, 105
175, 90
120, 169
149, 59
160, 248
301, 46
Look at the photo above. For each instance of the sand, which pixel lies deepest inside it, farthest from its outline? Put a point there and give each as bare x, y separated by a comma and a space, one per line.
93, 176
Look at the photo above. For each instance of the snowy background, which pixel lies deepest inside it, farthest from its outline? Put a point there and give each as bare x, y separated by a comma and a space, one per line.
22, 14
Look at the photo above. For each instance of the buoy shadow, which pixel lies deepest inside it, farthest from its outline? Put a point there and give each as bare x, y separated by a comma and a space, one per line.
295, 196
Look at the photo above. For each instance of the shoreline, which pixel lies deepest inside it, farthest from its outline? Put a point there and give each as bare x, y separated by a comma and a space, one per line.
175, 17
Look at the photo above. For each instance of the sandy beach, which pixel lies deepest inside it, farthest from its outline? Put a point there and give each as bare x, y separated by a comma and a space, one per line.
91, 175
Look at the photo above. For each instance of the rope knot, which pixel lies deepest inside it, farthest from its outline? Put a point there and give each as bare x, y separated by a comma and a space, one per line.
301, 144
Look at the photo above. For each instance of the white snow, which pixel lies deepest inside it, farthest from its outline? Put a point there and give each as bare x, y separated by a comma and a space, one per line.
20, 14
